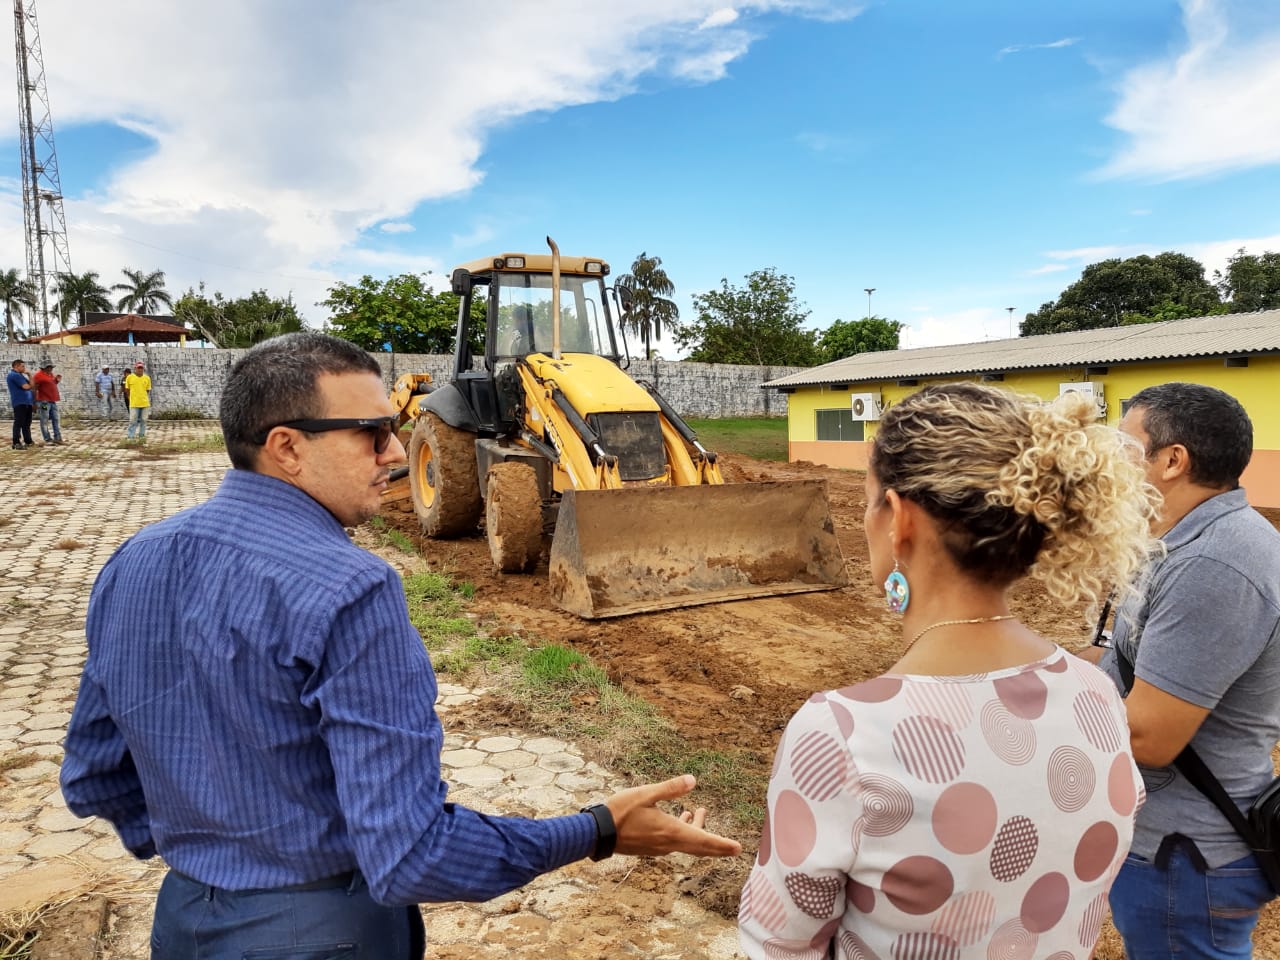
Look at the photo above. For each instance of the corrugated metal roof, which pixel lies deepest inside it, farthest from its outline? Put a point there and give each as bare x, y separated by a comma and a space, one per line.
1232, 334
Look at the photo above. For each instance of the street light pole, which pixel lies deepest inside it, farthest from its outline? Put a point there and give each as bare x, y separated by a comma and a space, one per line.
1011, 309
870, 291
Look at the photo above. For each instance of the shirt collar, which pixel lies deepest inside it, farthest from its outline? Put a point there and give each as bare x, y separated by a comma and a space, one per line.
1203, 514
260, 489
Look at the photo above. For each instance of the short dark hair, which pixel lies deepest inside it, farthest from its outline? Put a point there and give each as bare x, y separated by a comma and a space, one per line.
275, 381
1211, 424
16, 362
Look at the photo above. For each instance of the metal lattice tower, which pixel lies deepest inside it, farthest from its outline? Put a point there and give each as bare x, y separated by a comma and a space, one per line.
47, 250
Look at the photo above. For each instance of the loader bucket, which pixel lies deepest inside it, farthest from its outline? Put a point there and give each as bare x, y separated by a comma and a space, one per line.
625, 551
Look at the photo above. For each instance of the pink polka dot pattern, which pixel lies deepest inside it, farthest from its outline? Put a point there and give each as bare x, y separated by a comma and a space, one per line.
1091, 922
1011, 738
820, 766
816, 896
794, 829
966, 919
929, 749
1024, 694
918, 885
1015, 847
783, 750
1045, 903
765, 853
844, 720
861, 896
925, 946
1096, 850
964, 817
886, 805
1012, 941
950, 704
982, 816
1096, 721
1122, 791
875, 690
1071, 779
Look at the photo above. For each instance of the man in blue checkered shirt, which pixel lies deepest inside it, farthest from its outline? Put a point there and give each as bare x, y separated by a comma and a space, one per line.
257, 709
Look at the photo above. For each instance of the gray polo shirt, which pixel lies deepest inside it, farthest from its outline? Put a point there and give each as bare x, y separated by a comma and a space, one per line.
1206, 629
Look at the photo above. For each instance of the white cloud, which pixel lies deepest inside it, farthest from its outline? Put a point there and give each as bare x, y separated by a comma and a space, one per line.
1053, 45
281, 134
1211, 108
1048, 268
396, 226
719, 18
961, 326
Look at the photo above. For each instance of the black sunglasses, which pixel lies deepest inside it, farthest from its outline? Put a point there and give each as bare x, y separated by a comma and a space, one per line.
382, 428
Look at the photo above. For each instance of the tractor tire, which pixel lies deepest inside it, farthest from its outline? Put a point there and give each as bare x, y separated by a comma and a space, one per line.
443, 478
513, 517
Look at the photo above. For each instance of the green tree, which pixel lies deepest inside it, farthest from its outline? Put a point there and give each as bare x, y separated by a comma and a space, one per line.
402, 314
142, 292
651, 306
1252, 282
78, 294
844, 338
16, 292
241, 322
1139, 289
757, 324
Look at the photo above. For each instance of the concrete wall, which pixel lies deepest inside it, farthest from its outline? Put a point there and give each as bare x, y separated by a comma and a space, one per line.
192, 378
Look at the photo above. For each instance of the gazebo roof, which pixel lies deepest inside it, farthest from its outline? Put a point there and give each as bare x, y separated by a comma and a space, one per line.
117, 329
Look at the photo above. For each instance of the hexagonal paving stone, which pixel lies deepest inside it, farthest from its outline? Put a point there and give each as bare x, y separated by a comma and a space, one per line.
561, 762
497, 744
477, 776
513, 760
462, 758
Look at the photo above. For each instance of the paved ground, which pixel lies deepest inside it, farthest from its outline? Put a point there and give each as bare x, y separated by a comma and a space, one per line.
64, 510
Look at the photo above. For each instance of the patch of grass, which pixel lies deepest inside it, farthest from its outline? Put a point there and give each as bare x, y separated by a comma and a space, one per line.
392, 537
478, 651
207, 444
68, 543
16, 761
436, 609
763, 438
180, 413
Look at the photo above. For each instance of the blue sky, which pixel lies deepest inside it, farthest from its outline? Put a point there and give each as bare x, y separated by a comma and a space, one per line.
960, 158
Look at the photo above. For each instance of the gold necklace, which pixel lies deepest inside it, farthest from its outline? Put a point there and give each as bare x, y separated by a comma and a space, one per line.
954, 623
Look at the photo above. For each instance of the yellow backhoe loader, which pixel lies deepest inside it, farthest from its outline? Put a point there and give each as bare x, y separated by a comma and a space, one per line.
547, 431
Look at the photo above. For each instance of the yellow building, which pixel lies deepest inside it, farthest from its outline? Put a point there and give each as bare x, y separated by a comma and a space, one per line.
833, 409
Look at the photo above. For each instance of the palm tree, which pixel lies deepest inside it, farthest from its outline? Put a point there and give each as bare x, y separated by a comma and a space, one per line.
78, 294
15, 292
650, 309
144, 292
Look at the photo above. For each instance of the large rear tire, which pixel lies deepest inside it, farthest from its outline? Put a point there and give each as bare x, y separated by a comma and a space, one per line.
443, 478
513, 517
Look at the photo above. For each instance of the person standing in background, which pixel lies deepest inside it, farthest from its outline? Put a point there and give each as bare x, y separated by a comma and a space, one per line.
105, 390
47, 399
137, 394
23, 399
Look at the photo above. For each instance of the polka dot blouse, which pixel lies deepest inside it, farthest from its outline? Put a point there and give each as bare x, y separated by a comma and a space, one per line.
941, 818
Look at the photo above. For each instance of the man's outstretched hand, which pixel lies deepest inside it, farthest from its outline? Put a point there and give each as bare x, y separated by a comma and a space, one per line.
646, 831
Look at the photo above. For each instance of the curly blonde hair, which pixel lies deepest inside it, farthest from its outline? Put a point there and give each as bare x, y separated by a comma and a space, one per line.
1020, 486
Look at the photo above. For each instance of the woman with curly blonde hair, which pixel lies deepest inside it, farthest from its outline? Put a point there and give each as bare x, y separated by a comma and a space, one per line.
978, 798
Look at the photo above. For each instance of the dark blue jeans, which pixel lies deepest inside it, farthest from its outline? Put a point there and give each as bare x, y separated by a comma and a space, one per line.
194, 921
1181, 911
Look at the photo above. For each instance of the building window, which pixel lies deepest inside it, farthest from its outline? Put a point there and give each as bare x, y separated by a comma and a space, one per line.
839, 425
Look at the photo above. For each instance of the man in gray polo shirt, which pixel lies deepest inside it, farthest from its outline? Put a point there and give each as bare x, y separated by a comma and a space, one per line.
1203, 635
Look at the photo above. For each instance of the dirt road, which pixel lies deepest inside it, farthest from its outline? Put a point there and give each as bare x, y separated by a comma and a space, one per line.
695, 664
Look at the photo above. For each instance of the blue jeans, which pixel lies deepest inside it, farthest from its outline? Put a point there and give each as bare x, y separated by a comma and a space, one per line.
1180, 911
194, 921
138, 419
50, 427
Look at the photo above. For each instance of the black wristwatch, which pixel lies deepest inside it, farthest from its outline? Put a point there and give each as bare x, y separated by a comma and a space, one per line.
606, 832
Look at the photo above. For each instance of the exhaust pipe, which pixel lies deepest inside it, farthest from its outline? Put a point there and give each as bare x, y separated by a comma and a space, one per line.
555, 299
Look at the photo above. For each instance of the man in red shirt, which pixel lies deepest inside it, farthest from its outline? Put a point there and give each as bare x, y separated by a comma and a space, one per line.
47, 397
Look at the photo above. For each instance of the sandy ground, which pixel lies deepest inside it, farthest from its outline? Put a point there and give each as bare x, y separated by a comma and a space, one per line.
694, 663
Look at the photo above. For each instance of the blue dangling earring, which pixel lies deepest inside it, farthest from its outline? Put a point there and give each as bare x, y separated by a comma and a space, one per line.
897, 592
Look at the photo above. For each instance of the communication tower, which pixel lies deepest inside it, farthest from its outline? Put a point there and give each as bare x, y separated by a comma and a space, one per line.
47, 250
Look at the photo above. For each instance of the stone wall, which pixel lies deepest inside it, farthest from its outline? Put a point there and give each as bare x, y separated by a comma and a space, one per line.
191, 378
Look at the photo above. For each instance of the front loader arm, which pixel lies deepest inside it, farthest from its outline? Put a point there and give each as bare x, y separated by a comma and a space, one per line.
549, 415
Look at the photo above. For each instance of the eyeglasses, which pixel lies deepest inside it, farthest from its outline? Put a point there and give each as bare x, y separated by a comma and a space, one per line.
382, 428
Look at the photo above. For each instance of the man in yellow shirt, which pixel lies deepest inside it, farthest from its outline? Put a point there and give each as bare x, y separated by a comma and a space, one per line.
137, 391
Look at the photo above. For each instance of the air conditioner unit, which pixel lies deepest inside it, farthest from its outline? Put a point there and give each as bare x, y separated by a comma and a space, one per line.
1089, 389
865, 406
